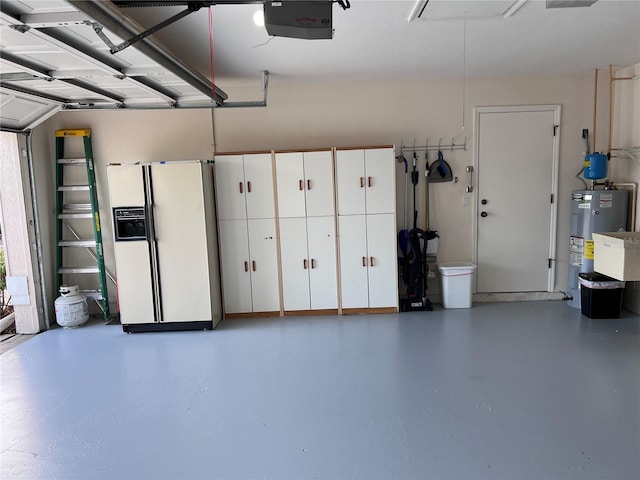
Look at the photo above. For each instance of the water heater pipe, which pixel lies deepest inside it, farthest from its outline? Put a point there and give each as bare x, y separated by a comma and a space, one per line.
634, 201
595, 110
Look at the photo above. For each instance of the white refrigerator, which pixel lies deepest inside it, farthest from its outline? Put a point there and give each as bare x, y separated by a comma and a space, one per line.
165, 245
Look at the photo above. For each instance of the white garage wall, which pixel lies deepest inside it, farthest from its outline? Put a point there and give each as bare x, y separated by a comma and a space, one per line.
352, 113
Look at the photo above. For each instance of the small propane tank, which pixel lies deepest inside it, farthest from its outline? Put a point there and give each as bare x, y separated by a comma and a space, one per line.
72, 309
595, 166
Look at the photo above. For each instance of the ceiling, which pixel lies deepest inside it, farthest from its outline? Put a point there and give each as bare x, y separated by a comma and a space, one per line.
372, 39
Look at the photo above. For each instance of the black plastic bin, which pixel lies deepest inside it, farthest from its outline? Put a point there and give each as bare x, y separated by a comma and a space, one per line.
601, 296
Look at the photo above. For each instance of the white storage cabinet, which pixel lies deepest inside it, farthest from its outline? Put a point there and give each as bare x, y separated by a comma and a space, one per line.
248, 240
367, 228
307, 230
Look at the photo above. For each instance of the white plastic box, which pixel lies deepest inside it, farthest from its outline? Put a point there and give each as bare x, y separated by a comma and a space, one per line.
617, 255
456, 282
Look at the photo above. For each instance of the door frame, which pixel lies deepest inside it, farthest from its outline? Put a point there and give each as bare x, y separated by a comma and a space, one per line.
556, 109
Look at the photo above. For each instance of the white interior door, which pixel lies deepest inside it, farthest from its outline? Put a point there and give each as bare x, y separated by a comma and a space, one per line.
351, 182
517, 176
353, 261
234, 258
381, 249
318, 172
380, 169
258, 176
322, 262
230, 187
295, 264
291, 184
265, 291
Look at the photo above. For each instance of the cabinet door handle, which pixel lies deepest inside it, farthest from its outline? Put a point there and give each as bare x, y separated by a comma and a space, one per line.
240, 187
364, 261
246, 266
313, 263
249, 187
361, 182
299, 184
369, 181
253, 265
304, 263
371, 261
308, 184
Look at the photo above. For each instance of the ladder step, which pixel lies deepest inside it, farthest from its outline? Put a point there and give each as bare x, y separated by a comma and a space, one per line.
79, 270
92, 294
77, 243
74, 132
75, 215
76, 207
73, 188
72, 161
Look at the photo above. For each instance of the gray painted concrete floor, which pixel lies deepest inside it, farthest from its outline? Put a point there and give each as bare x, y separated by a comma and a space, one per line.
511, 390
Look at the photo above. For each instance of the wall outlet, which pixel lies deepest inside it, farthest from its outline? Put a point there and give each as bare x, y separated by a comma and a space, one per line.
465, 200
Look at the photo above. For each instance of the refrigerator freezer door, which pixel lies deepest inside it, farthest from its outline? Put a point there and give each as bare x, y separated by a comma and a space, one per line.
133, 269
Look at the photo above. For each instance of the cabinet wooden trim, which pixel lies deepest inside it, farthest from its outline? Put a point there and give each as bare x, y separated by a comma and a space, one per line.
242, 153
374, 147
233, 316
303, 150
310, 313
361, 311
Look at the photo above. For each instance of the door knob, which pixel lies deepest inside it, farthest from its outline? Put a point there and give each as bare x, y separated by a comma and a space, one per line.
484, 214
484, 201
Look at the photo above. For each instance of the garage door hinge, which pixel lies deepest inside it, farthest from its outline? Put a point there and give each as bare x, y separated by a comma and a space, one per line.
555, 129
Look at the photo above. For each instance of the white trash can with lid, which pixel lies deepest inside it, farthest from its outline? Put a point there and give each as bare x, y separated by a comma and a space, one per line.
456, 282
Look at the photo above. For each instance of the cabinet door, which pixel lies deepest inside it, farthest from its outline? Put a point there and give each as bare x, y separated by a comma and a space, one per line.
351, 182
380, 180
258, 176
318, 173
295, 263
323, 281
353, 261
291, 184
230, 187
381, 247
234, 256
265, 291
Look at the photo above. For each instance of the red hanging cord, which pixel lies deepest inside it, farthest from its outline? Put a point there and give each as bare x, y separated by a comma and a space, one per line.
211, 69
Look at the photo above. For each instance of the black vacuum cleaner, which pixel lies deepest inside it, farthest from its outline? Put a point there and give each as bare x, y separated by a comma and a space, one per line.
415, 268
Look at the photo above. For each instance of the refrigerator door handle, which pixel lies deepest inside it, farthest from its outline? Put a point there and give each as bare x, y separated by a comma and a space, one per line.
153, 244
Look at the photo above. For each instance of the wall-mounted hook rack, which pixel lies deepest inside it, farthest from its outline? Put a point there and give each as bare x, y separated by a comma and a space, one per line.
433, 148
